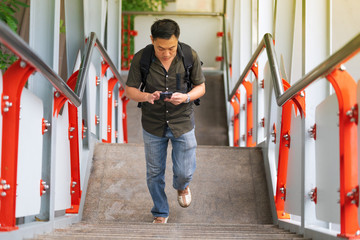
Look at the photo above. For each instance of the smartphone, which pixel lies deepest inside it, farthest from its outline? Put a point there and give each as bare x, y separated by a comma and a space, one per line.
164, 95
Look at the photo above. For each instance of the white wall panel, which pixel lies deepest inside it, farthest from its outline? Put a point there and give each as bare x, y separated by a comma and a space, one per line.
113, 120
114, 51
91, 89
246, 43
258, 111
283, 35
95, 17
235, 46
94, 21
62, 162
270, 119
103, 107
293, 180
29, 155
206, 28
316, 39
75, 37
242, 117
265, 25
119, 109
345, 26
114, 32
82, 159
327, 160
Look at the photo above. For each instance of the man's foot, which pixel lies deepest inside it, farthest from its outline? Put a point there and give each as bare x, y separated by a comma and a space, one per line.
184, 197
160, 220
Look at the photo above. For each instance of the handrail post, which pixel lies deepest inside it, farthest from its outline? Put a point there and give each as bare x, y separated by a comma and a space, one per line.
236, 107
345, 89
124, 101
75, 188
14, 81
284, 147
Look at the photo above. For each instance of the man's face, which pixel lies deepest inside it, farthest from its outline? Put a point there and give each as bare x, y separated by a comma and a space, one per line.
165, 49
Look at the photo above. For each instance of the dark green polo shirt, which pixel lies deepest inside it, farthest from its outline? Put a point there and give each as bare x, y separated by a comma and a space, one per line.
156, 117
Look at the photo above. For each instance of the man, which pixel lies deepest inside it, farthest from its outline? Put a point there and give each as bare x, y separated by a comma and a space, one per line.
167, 119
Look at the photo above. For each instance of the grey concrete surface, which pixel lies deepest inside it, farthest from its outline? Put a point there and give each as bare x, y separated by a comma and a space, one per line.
228, 187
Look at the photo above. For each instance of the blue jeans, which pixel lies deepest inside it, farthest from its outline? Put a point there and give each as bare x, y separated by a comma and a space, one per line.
184, 164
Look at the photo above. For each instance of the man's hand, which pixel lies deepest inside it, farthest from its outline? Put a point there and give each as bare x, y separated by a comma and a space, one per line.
177, 98
151, 97
138, 96
195, 93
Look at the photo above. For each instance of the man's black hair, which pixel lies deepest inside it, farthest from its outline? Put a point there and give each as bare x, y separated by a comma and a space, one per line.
165, 28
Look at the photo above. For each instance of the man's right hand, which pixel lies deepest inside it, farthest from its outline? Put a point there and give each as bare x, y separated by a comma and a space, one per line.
136, 95
151, 97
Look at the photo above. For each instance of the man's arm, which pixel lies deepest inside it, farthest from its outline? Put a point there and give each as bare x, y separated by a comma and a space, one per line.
138, 96
195, 93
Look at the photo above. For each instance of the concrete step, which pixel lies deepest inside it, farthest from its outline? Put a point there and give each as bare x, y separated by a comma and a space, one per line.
169, 231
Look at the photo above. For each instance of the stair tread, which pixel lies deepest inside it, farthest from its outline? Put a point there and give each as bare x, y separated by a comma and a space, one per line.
169, 231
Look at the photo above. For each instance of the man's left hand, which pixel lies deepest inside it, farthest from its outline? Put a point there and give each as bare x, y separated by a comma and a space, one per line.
177, 98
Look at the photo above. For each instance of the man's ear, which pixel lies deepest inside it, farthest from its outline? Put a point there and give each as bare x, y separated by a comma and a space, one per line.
152, 40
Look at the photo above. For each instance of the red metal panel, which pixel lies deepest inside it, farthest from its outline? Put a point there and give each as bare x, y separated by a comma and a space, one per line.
124, 101
236, 106
345, 89
14, 80
75, 187
298, 102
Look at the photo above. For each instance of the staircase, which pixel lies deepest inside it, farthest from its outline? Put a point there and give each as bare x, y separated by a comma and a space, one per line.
230, 195
230, 198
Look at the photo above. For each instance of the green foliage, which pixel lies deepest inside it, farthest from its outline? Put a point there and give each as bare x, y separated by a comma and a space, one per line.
143, 5
62, 27
8, 9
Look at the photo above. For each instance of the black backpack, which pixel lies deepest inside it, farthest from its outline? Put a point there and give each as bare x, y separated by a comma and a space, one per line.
187, 58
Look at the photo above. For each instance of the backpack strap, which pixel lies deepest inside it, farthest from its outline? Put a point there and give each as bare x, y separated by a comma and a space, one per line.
188, 64
145, 61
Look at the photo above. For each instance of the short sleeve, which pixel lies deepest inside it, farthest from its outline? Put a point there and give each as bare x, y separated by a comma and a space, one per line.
197, 75
134, 76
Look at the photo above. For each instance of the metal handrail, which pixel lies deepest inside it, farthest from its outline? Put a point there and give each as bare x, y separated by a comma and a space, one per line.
93, 42
225, 48
267, 43
324, 68
19, 47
